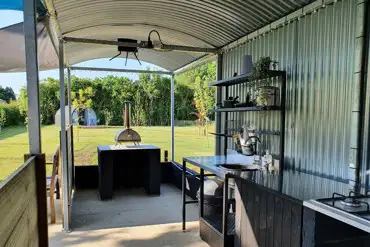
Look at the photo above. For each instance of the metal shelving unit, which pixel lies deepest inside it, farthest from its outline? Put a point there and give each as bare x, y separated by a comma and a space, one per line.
248, 80
219, 230
250, 108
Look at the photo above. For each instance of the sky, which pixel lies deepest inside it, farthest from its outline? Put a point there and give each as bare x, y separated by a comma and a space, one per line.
17, 80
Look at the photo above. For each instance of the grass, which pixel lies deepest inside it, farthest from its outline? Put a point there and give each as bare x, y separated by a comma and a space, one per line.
14, 143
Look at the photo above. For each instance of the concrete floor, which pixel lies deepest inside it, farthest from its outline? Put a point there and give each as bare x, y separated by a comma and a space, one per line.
131, 219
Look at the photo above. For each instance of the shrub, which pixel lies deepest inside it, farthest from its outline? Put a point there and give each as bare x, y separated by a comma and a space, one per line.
10, 115
2, 118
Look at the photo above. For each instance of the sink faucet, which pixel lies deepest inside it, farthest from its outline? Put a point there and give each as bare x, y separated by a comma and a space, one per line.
253, 144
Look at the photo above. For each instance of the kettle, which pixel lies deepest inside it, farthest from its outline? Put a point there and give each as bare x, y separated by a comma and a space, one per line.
250, 146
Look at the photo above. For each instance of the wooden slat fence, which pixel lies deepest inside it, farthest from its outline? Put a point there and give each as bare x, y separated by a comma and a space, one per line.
23, 208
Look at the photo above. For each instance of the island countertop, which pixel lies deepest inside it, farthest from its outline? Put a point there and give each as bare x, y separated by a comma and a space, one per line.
126, 147
296, 185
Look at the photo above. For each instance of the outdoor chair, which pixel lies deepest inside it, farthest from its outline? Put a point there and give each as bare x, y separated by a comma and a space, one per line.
53, 184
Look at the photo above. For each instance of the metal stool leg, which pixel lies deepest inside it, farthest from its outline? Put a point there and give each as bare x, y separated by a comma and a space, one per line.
225, 212
183, 195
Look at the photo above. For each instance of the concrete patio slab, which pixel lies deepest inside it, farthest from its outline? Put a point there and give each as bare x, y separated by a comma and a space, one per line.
131, 219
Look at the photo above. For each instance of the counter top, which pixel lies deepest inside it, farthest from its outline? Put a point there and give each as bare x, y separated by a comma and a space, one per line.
125, 147
296, 185
340, 215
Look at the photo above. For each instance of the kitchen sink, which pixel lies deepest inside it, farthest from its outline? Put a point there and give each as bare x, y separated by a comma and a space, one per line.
239, 167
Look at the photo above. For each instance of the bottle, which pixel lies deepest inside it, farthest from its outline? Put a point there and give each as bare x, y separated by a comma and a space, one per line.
268, 160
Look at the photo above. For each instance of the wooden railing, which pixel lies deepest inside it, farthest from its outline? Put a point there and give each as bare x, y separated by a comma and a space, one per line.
23, 215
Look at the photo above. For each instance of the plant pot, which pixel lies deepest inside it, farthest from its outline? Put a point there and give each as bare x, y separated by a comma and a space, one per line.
267, 96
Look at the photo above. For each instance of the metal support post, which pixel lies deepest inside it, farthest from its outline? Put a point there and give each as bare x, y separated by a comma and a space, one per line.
183, 195
34, 127
172, 117
32, 72
70, 134
355, 151
69, 97
63, 138
226, 122
218, 100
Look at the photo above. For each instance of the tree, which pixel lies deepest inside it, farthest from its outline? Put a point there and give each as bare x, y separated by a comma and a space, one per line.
107, 116
150, 96
2, 118
7, 94
49, 100
82, 100
203, 99
22, 103
184, 97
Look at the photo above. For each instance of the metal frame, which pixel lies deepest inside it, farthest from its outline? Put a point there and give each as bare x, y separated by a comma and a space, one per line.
69, 97
358, 95
283, 78
204, 59
172, 110
32, 73
121, 70
172, 117
218, 100
365, 164
144, 44
183, 191
225, 209
225, 201
141, 44
63, 100
63, 138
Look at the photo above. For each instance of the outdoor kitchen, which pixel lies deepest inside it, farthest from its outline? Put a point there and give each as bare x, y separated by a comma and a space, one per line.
261, 201
291, 160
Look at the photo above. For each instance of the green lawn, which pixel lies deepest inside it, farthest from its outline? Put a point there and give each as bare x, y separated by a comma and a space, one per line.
14, 143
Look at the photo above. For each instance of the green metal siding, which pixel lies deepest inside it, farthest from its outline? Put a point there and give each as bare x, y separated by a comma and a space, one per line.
317, 51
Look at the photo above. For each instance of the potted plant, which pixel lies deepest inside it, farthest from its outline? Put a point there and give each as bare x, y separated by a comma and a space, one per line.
266, 94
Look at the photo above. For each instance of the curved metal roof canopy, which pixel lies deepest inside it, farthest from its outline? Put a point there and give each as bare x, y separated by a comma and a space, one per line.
193, 23
197, 23
170, 60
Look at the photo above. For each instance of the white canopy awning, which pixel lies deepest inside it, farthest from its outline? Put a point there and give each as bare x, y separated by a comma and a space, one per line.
12, 49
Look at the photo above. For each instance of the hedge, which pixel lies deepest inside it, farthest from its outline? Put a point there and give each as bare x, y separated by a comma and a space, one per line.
10, 115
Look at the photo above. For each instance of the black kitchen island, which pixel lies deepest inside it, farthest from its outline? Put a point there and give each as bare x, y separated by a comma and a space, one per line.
270, 209
128, 166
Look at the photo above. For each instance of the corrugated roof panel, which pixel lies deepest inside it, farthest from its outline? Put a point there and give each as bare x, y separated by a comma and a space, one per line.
199, 23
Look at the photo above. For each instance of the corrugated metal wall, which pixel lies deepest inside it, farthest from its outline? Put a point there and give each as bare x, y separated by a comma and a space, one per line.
317, 52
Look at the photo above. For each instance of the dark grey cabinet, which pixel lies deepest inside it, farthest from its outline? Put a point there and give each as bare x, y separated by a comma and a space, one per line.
264, 218
128, 167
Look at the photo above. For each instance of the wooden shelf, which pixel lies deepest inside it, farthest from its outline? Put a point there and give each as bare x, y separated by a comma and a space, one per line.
250, 108
245, 78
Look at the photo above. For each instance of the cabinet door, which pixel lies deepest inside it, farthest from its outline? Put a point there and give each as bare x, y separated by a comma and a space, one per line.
265, 219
